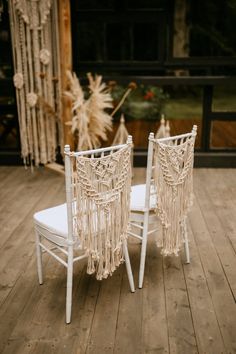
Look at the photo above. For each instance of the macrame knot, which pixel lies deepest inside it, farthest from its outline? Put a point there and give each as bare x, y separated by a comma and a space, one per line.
44, 56
32, 99
118, 247
108, 244
18, 80
95, 255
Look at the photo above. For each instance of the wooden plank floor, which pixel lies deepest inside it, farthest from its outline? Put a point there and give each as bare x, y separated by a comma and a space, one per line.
181, 309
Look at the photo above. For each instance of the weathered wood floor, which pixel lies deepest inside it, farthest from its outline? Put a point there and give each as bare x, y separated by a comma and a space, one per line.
181, 309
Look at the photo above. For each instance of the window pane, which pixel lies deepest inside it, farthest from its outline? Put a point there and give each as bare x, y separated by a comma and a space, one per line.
224, 99
223, 135
145, 4
94, 4
90, 41
145, 41
118, 41
212, 28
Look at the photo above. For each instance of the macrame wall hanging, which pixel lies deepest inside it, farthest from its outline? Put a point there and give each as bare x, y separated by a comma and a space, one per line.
35, 42
174, 185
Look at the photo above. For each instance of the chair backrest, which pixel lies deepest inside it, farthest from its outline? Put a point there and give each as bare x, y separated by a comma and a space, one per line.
170, 164
98, 184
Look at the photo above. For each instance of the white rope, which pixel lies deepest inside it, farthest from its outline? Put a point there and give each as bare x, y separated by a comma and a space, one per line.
173, 180
101, 218
32, 24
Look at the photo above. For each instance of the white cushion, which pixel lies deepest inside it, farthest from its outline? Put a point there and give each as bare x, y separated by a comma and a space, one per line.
53, 219
137, 199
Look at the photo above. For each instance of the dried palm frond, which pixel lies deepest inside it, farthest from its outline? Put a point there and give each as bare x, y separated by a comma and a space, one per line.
99, 120
90, 122
75, 92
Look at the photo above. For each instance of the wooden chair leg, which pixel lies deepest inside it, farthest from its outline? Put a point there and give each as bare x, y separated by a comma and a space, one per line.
39, 257
143, 251
128, 267
69, 284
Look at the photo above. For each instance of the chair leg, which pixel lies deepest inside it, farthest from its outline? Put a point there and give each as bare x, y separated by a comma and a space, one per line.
143, 251
186, 244
128, 267
69, 284
39, 257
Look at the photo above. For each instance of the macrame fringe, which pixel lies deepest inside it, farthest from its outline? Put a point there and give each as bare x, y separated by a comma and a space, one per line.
35, 42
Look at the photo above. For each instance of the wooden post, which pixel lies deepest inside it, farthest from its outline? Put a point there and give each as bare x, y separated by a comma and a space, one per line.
66, 64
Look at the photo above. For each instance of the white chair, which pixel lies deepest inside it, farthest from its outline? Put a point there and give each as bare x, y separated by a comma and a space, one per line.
166, 193
95, 218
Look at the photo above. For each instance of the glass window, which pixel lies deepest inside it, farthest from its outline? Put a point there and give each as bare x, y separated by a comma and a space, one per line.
223, 135
147, 4
90, 41
118, 45
204, 29
224, 99
145, 41
94, 4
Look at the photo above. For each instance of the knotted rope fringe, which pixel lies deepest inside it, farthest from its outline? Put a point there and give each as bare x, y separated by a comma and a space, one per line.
35, 42
173, 180
101, 221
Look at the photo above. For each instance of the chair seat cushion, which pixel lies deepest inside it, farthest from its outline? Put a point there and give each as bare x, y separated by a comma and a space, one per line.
53, 220
137, 199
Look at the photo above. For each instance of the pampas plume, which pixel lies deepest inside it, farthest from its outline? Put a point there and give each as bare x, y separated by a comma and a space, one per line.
90, 121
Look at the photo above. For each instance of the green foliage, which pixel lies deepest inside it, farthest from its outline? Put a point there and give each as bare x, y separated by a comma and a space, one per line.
143, 102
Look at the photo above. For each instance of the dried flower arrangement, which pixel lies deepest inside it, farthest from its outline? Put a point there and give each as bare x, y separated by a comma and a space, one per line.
94, 110
91, 121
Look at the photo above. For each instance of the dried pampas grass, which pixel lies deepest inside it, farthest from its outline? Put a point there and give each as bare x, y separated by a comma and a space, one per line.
90, 122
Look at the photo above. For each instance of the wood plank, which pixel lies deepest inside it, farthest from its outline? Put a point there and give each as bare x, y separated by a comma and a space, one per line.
155, 330
206, 327
10, 270
223, 196
27, 184
223, 247
84, 304
128, 337
179, 320
16, 328
181, 308
8, 182
14, 271
224, 304
102, 335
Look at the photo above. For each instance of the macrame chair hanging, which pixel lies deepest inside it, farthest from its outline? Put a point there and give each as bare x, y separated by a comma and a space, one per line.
174, 184
101, 209
35, 43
